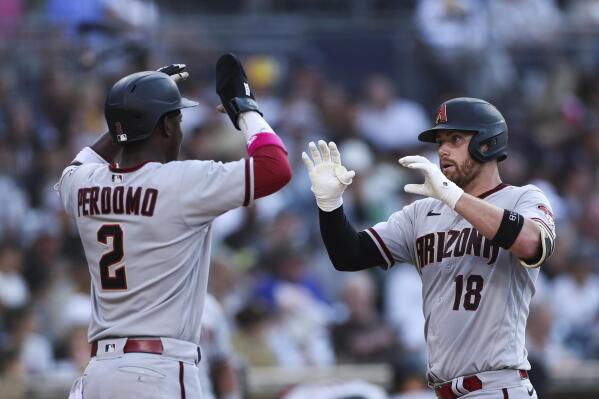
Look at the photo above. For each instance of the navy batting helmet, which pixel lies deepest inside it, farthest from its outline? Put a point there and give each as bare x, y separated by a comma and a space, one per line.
477, 116
136, 103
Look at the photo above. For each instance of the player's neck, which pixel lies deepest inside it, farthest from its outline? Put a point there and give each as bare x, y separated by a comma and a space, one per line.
138, 154
487, 179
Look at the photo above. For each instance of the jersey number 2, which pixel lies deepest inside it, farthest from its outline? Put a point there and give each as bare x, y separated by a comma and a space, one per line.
118, 279
474, 286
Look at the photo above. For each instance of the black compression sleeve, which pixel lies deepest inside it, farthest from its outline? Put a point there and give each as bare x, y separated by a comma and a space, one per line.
348, 249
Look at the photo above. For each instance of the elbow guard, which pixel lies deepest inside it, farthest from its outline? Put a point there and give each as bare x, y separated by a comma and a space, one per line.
545, 250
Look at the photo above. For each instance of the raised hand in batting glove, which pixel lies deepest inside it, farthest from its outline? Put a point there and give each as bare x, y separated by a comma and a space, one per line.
328, 177
175, 71
435, 185
233, 88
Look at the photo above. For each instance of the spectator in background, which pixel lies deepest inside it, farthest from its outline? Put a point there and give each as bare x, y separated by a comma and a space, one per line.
14, 291
301, 337
408, 381
218, 372
363, 337
390, 123
540, 346
510, 22
251, 340
576, 302
35, 351
12, 376
458, 57
403, 307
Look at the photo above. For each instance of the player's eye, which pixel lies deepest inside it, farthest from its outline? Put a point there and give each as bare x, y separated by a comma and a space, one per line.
456, 139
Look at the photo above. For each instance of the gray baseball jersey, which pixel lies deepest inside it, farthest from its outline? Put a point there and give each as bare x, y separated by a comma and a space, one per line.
146, 233
475, 294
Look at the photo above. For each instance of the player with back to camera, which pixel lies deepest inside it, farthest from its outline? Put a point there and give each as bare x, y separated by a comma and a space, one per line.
145, 225
476, 242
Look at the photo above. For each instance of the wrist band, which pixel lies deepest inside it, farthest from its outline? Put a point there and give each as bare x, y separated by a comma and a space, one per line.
508, 231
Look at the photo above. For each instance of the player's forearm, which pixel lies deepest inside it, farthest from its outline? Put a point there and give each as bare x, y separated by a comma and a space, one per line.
486, 218
348, 249
105, 147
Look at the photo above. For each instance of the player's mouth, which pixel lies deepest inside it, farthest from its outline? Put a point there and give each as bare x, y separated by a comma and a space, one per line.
447, 167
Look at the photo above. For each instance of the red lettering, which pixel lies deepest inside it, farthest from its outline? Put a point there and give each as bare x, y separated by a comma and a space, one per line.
117, 200
79, 201
132, 201
94, 195
429, 248
420, 252
460, 245
86, 191
105, 200
149, 202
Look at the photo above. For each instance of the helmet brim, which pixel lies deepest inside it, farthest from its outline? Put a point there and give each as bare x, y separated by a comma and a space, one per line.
430, 135
187, 103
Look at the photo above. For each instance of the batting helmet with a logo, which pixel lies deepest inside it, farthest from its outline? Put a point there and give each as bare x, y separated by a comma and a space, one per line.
477, 116
136, 103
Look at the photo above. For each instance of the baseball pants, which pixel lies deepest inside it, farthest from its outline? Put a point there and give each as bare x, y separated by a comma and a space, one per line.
500, 384
114, 374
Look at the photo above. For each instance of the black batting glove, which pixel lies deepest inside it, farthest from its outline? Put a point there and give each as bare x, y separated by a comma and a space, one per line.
233, 88
175, 71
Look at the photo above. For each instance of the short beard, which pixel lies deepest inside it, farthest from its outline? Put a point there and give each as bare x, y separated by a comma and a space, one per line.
465, 173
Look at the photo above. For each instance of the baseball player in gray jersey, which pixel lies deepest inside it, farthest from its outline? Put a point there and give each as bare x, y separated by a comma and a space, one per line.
145, 225
476, 242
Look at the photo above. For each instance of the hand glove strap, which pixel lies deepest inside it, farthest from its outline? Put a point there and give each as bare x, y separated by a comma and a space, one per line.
237, 105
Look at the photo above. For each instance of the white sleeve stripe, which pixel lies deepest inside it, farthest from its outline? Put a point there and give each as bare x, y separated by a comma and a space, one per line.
249, 182
381, 246
541, 223
251, 201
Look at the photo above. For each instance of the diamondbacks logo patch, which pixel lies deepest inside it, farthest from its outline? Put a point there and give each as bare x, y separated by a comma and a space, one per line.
441, 114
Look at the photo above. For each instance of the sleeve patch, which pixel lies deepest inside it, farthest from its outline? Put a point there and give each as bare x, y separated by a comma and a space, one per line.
548, 216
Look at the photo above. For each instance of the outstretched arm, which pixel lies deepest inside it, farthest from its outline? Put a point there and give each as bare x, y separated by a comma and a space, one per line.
524, 237
348, 249
271, 167
487, 219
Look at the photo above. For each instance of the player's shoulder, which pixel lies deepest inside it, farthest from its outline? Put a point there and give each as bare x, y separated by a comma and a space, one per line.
523, 189
526, 191
417, 208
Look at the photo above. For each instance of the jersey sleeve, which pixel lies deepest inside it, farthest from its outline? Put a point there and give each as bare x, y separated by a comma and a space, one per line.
534, 205
209, 189
66, 185
394, 237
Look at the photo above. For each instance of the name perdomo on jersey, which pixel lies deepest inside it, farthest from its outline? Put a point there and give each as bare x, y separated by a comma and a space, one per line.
114, 200
434, 247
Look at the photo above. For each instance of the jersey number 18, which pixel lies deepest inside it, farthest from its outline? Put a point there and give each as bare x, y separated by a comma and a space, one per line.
474, 286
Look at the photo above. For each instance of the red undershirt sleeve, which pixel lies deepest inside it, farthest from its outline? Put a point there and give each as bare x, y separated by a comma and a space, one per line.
271, 170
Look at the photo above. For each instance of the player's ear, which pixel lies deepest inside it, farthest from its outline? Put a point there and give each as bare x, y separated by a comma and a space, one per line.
170, 123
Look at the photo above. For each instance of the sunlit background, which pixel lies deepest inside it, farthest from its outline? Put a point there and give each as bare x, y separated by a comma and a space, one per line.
368, 74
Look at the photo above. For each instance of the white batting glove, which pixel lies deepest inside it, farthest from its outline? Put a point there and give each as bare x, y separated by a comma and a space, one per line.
329, 178
435, 185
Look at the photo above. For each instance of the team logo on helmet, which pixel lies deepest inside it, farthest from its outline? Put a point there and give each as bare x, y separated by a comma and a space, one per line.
441, 115
120, 136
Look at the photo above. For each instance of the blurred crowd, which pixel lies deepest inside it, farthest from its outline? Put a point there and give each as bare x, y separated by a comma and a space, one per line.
282, 302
